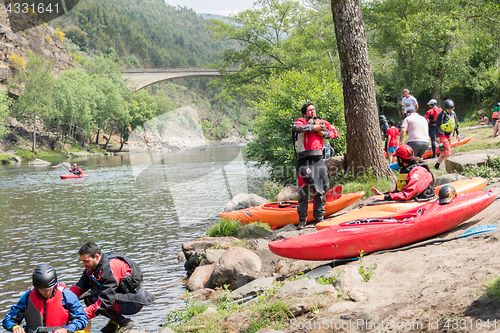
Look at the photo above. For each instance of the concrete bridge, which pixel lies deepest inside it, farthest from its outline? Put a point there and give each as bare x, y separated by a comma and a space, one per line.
143, 77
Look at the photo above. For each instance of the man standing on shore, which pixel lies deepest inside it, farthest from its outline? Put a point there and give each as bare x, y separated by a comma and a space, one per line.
312, 172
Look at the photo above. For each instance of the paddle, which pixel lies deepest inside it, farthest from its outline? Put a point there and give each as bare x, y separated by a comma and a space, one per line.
64, 166
471, 232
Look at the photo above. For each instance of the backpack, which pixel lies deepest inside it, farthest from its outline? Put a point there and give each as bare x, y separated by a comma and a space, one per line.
131, 283
449, 123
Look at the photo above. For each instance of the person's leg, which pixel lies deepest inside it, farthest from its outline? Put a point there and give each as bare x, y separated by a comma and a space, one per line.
444, 150
432, 134
303, 202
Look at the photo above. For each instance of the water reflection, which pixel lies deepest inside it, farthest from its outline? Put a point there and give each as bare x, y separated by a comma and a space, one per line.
44, 219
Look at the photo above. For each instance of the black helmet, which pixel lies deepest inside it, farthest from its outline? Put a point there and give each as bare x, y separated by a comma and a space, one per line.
449, 105
446, 194
381, 117
44, 277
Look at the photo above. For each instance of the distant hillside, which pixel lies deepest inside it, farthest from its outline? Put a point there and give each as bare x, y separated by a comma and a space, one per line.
153, 32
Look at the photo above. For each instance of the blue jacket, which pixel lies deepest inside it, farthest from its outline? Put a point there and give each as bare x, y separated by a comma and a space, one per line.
69, 301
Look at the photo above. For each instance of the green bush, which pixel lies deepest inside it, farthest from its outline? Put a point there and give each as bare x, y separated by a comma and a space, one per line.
5, 159
276, 113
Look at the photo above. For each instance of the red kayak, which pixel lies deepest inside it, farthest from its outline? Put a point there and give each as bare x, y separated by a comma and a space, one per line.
72, 175
346, 240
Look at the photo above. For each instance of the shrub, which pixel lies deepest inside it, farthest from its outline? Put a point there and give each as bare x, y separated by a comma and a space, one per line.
17, 61
59, 35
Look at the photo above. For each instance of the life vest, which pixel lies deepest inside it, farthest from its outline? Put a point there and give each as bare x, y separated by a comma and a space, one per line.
434, 113
427, 194
310, 143
495, 115
130, 283
48, 313
449, 122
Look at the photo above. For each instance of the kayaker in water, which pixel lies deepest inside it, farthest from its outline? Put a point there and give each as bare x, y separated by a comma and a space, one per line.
111, 285
415, 180
47, 307
310, 132
76, 170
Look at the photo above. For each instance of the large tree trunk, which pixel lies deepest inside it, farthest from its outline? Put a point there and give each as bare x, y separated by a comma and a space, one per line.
364, 145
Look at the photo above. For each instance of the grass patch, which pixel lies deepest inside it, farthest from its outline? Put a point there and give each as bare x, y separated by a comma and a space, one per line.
493, 287
364, 183
262, 312
225, 227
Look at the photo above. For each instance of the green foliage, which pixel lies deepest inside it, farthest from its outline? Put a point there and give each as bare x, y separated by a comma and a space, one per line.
489, 170
366, 273
77, 36
4, 158
5, 102
193, 308
329, 280
272, 188
225, 227
155, 33
272, 315
434, 49
274, 37
35, 84
276, 113
24, 154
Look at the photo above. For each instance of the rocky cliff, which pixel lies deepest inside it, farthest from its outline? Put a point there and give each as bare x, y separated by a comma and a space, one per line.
43, 40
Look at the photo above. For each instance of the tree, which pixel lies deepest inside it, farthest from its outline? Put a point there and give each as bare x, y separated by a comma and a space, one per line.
5, 102
364, 147
432, 47
274, 37
276, 113
35, 84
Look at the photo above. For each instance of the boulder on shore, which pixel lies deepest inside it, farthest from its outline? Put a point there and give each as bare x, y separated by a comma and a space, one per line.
39, 162
236, 267
242, 201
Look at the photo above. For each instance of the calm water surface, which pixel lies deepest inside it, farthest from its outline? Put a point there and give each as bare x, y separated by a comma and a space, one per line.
143, 205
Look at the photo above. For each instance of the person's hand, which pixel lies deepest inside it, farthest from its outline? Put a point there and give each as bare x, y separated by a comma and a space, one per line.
18, 329
458, 138
375, 191
377, 198
318, 128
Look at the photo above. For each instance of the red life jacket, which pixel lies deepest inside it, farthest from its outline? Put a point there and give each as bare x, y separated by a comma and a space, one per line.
308, 143
46, 312
495, 115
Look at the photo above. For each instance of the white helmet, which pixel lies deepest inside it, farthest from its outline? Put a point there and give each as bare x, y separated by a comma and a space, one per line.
432, 102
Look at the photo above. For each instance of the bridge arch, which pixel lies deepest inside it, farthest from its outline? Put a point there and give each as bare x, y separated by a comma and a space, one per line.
144, 77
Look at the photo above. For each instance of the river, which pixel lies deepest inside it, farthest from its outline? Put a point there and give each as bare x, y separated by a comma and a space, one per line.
142, 205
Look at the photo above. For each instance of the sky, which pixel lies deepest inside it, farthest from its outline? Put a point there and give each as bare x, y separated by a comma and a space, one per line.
220, 7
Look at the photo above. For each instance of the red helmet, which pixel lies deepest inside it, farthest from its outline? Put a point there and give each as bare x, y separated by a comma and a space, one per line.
405, 152
74, 165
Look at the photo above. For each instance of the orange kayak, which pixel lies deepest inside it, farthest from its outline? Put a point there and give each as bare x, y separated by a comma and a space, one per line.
279, 214
384, 210
453, 143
